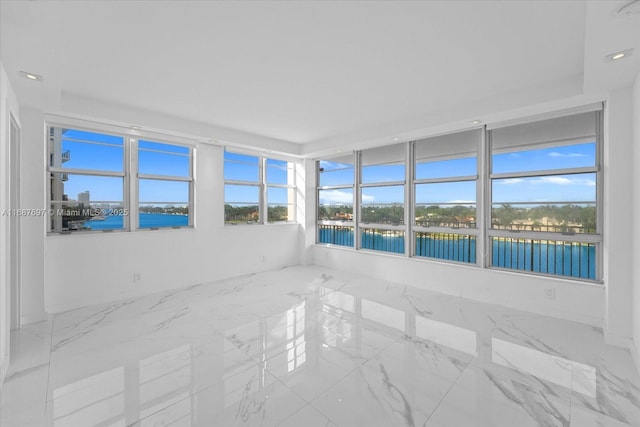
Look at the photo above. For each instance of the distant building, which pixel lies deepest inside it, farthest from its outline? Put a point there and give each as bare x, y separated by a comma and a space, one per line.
84, 198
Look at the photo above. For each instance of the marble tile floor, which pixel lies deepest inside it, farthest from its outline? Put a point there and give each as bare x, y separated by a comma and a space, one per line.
310, 346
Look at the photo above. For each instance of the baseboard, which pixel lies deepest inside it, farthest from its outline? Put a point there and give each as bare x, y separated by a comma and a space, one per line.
27, 319
617, 340
4, 368
635, 354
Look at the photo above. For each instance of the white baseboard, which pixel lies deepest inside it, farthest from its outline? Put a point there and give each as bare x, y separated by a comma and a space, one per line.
4, 368
617, 340
27, 319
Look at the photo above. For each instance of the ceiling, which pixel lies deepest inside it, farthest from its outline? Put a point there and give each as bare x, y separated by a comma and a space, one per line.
316, 73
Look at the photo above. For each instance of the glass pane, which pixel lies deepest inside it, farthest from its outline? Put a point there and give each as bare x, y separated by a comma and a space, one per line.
163, 203
336, 205
279, 172
241, 204
336, 172
86, 202
446, 193
446, 204
239, 167
553, 218
281, 205
560, 157
157, 215
447, 168
77, 149
545, 189
449, 246
163, 159
383, 205
383, 173
572, 259
153, 190
382, 240
335, 235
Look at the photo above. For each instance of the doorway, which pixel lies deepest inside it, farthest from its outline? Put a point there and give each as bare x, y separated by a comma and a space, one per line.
14, 224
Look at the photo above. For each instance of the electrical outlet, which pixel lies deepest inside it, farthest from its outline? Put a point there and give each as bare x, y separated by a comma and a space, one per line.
550, 293
136, 277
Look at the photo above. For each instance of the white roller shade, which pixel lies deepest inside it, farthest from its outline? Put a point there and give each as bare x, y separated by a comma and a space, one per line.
574, 129
391, 154
461, 144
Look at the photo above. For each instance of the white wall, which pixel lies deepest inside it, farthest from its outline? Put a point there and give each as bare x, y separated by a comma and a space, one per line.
577, 302
32, 187
635, 348
618, 217
94, 268
8, 106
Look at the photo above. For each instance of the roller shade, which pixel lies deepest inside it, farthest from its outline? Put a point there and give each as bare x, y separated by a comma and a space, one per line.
461, 144
391, 154
573, 129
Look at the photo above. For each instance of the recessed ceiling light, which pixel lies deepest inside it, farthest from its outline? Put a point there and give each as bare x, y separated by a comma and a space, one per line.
31, 76
396, 139
213, 141
616, 56
339, 150
476, 122
135, 127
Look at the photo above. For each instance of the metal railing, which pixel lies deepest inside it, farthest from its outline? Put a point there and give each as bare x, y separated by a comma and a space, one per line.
335, 235
557, 257
448, 246
382, 240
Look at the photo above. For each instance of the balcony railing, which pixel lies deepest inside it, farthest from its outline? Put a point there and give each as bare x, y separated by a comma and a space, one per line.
449, 246
335, 235
557, 257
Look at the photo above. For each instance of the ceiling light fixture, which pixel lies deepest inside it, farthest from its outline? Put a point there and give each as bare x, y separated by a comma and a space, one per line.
135, 127
31, 76
616, 56
476, 122
339, 150
396, 139
630, 9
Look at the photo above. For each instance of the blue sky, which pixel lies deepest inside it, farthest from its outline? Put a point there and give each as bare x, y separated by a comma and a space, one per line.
165, 159
106, 153
560, 188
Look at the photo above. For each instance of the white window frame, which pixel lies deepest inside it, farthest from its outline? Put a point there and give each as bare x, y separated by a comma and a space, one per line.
263, 186
484, 178
128, 174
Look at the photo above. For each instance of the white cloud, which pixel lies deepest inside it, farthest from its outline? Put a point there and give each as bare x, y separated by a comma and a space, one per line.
555, 154
560, 180
511, 181
338, 196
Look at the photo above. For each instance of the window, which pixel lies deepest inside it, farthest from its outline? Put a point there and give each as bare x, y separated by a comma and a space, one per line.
335, 201
258, 190
382, 196
86, 181
91, 186
519, 196
445, 194
164, 185
281, 193
544, 186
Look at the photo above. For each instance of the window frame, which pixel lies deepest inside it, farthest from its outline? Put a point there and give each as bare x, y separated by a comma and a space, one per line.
263, 187
595, 239
129, 173
451, 230
484, 178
